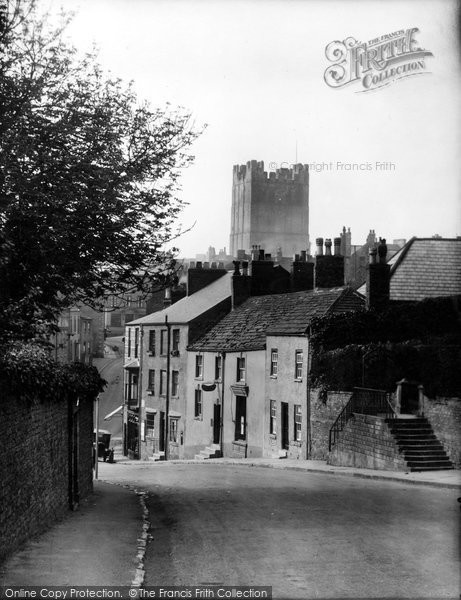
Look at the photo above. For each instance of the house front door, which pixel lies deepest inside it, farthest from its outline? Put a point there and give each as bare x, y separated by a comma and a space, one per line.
240, 418
216, 423
161, 440
284, 425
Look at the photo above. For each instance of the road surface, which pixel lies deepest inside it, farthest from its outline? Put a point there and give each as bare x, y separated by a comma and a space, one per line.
111, 369
308, 535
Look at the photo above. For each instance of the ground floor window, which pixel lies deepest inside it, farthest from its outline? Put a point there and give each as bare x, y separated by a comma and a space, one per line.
298, 423
173, 430
150, 417
273, 417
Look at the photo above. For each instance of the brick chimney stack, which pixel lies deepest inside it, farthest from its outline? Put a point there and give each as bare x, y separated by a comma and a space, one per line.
378, 278
302, 273
329, 268
241, 284
199, 277
262, 272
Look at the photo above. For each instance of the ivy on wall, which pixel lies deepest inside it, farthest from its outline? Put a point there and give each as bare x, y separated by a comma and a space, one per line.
419, 341
420, 321
29, 370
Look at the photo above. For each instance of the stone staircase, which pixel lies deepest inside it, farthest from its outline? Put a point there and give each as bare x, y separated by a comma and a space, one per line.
212, 451
418, 444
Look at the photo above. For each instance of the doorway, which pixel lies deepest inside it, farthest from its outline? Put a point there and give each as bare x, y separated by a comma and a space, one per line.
284, 425
161, 439
240, 418
409, 403
216, 423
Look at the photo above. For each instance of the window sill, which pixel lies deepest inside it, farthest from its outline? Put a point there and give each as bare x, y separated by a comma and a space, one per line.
273, 376
198, 418
273, 436
296, 443
150, 353
296, 380
150, 393
240, 442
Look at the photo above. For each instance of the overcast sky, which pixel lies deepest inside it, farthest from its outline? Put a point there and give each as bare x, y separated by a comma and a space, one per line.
253, 70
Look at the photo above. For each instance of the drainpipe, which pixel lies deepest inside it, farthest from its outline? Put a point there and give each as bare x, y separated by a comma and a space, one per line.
223, 355
308, 401
167, 399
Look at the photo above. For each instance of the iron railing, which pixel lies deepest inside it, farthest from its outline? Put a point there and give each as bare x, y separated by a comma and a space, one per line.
364, 401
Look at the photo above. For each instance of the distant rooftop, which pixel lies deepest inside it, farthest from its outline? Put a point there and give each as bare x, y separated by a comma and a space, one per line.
245, 328
190, 307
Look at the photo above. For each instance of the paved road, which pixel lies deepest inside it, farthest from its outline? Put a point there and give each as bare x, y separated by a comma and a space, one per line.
307, 535
111, 369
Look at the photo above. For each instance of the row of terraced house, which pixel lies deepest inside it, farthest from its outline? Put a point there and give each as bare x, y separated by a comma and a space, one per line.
224, 370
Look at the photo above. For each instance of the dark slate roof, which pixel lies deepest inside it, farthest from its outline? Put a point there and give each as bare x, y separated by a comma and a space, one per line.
426, 268
245, 327
190, 307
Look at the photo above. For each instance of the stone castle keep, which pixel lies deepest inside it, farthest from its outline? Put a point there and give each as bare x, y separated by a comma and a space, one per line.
270, 209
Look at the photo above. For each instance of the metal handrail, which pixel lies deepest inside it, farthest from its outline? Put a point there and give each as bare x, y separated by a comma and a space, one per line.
365, 401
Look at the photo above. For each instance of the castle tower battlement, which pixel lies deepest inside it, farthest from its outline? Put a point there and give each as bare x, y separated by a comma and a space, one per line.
255, 170
270, 209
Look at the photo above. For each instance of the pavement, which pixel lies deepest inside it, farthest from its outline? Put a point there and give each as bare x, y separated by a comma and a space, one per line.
103, 542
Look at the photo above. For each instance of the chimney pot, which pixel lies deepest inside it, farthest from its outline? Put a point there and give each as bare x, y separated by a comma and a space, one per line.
206, 265
328, 247
337, 244
319, 244
213, 265
244, 267
382, 251
372, 256
236, 268
167, 298
192, 264
304, 255
199, 264
268, 257
220, 265
261, 254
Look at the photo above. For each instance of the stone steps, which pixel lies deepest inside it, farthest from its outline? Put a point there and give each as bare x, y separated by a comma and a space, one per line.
213, 451
419, 445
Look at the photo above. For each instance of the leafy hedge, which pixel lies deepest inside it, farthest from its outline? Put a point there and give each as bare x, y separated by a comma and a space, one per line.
29, 370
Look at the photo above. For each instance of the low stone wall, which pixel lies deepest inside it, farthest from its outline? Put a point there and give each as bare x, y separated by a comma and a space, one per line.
37, 439
366, 442
323, 413
444, 414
